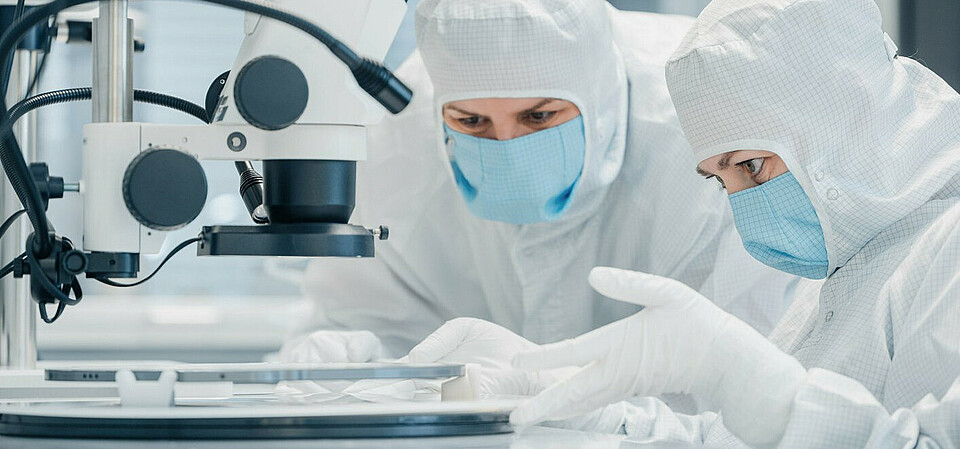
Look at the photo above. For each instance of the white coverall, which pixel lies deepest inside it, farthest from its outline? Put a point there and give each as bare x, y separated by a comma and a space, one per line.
639, 205
874, 140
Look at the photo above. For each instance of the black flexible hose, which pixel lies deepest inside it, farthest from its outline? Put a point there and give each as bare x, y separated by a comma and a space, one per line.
84, 93
169, 101
48, 98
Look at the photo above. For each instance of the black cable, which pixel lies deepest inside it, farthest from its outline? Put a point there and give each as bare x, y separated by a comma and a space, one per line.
18, 11
9, 222
43, 312
84, 93
8, 268
60, 293
166, 258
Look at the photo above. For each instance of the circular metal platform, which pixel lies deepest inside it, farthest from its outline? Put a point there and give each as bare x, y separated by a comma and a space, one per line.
110, 421
270, 373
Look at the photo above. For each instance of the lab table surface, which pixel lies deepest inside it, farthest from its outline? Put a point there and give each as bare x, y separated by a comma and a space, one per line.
531, 438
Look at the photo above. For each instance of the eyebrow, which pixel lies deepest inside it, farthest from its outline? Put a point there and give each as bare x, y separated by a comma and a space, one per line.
725, 161
722, 165
459, 110
539, 105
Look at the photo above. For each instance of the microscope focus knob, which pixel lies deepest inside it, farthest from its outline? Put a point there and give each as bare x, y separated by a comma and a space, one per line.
270, 92
74, 262
164, 189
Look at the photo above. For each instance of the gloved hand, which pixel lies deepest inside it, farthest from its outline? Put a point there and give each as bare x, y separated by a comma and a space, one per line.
681, 343
472, 340
332, 347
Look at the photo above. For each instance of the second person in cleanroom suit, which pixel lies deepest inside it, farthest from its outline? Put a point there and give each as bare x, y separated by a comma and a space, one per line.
842, 160
501, 213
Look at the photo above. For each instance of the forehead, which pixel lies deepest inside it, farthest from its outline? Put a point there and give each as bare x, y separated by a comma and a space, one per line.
498, 105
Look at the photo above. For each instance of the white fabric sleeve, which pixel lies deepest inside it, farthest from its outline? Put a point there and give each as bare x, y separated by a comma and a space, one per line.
832, 410
649, 419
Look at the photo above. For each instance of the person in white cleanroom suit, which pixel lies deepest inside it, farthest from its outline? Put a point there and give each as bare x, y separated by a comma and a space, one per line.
512, 241
842, 160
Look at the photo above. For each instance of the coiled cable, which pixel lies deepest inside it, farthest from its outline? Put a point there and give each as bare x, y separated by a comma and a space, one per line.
85, 93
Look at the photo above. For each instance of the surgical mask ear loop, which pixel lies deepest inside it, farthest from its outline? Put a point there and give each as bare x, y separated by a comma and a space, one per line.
448, 142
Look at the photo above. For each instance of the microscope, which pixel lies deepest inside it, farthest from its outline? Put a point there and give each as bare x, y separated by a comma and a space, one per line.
297, 98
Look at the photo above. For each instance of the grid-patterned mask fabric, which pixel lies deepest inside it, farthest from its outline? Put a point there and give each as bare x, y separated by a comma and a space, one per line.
522, 180
780, 228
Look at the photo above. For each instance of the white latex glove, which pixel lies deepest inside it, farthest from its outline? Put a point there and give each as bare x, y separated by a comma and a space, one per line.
332, 347
681, 343
472, 340
326, 346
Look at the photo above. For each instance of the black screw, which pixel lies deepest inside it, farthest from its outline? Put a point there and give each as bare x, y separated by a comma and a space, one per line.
236, 141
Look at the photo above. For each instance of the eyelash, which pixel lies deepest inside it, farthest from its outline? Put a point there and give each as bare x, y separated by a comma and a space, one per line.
743, 166
466, 122
477, 122
722, 186
546, 116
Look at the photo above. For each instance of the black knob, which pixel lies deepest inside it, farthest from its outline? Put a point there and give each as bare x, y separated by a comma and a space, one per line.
384, 232
49, 186
164, 189
270, 92
74, 262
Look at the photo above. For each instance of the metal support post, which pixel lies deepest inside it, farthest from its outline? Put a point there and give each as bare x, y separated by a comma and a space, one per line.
113, 63
18, 313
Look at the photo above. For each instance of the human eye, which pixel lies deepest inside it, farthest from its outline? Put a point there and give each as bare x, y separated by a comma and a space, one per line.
752, 166
471, 122
722, 185
540, 117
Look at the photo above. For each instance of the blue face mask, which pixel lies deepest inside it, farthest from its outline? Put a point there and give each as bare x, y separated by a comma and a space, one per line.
780, 228
524, 180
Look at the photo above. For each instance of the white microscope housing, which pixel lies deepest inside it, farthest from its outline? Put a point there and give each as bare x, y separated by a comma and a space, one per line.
289, 102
